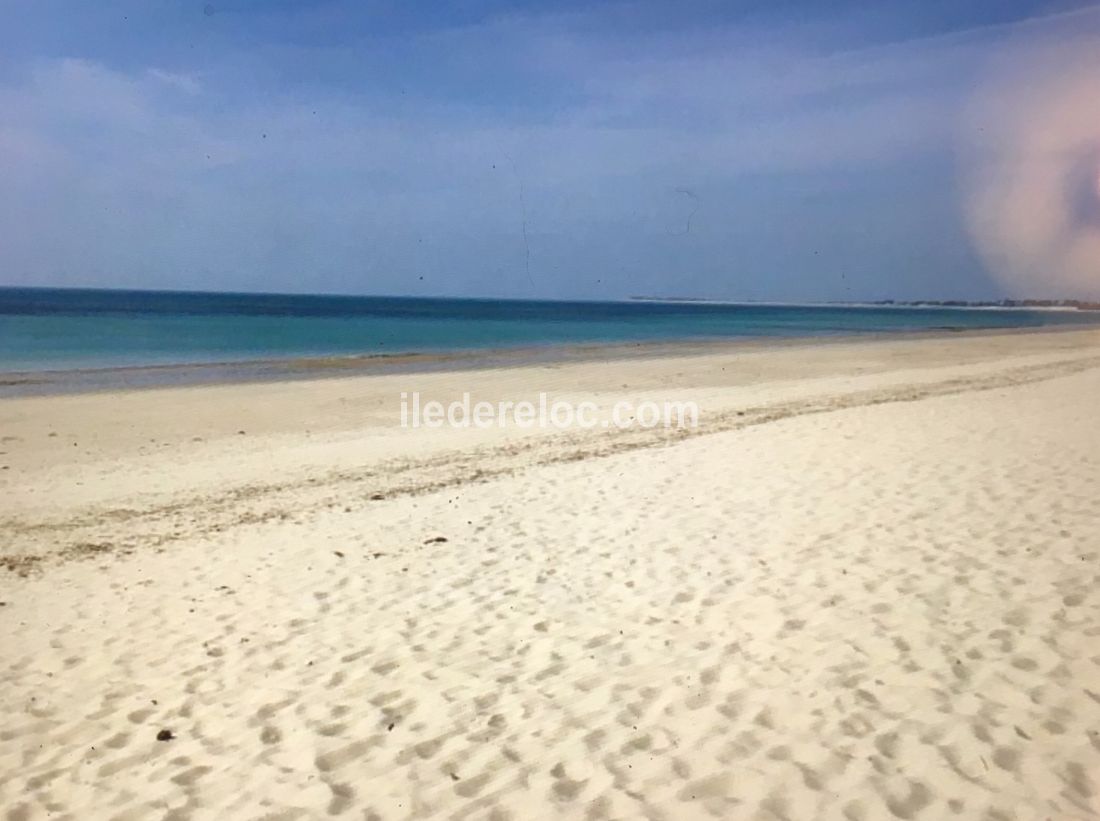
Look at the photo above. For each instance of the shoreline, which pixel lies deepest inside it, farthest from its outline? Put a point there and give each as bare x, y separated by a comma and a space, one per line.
52, 441
65, 381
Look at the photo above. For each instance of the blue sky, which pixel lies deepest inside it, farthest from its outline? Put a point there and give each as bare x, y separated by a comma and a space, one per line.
743, 150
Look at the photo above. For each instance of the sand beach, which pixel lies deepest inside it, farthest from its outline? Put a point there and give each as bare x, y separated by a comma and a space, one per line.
865, 586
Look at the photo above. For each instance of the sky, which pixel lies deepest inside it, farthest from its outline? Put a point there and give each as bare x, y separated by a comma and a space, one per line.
788, 150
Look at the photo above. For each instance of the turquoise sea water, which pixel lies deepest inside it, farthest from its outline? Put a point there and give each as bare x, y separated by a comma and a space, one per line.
55, 329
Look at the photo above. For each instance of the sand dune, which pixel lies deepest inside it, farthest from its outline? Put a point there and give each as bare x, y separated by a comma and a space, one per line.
865, 588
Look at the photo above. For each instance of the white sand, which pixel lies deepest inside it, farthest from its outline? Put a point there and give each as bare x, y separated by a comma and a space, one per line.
865, 588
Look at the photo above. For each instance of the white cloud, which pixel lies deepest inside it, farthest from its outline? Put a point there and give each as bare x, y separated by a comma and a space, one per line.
183, 82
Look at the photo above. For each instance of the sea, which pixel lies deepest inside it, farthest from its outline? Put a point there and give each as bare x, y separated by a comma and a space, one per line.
45, 330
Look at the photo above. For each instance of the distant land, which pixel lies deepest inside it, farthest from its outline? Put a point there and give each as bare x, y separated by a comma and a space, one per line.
1010, 304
